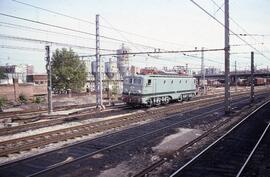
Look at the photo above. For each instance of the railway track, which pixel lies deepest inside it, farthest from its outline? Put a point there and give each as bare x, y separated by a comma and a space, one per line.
257, 164
24, 115
46, 164
33, 115
63, 119
66, 160
33, 122
231, 153
42, 139
85, 116
42, 110
39, 140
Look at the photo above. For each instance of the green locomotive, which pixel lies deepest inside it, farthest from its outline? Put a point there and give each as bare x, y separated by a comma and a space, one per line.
150, 90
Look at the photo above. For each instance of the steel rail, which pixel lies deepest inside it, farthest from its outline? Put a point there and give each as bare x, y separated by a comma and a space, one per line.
59, 119
54, 166
165, 158
32, 124
253, 150
218, 140
26, 143
201, 116
4, 115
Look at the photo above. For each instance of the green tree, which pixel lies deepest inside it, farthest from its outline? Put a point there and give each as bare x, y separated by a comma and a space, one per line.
2, 75
3, 101
68, 72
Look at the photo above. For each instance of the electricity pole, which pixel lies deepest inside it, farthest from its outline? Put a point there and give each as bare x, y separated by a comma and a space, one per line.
252, 78
227, 59
98, 81
267, 81
203, 70
235, 77
49, 76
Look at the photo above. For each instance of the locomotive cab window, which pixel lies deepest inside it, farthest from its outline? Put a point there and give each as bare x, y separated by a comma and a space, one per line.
149, 82
137, 81
130, 80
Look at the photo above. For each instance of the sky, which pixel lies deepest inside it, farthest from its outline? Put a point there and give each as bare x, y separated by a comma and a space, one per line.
142, 26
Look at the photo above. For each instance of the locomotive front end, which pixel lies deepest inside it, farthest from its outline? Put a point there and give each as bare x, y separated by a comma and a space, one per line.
132, 90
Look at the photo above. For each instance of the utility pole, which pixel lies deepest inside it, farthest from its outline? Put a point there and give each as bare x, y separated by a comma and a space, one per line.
252, 78
49, 76
267, 81
235, 77
227, 100
98, 81
202, 70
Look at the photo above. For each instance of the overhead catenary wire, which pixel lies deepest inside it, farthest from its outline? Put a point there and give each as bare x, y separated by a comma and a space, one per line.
243, 29
82, 21
42, 30
92, 23
37, 40
12, 25
192, 56
73, 30
22, 48
120, 33
239, 53
219, 7
160, 52
237, 45
54, 12
81, 56
262, 35
47, 24
259, 52
48, 42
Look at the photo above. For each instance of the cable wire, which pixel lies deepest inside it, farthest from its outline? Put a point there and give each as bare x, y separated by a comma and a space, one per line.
259, 52
89, 22
70, 29
48, 42
42, 30
161, 52
54, 12
22, 48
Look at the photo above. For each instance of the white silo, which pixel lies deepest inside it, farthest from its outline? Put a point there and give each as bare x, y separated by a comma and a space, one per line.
94, 68
111, 68
123, 60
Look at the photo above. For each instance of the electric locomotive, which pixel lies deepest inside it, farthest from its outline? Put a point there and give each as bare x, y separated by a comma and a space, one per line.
150, 90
